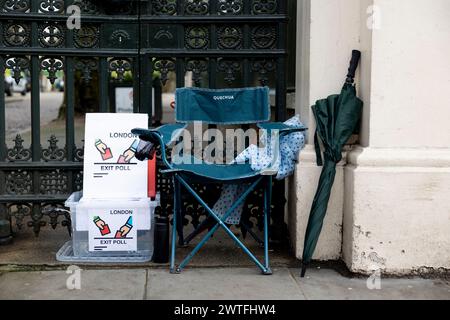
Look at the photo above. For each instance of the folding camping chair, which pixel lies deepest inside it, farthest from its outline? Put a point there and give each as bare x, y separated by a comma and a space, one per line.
217, 107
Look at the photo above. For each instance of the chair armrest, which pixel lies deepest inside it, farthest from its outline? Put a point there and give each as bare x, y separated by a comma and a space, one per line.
166, 134
282, 128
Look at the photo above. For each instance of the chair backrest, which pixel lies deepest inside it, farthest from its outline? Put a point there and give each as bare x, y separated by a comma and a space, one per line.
222, 106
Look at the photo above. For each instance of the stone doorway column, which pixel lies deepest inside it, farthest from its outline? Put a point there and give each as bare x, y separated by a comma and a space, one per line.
390, 207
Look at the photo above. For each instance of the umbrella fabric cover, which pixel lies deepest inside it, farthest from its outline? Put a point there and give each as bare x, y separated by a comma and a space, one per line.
337, 117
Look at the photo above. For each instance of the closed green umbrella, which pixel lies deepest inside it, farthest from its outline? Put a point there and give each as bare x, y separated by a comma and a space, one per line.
337, 117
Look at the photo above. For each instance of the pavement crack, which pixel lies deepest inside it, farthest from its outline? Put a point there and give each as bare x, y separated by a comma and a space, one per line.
145, 285
297, 283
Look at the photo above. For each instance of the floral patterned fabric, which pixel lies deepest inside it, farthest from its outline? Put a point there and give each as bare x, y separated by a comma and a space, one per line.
281, 158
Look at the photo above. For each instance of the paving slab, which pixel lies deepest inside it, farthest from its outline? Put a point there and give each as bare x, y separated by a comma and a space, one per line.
330, 285
213, 284
94, 285
27, 249
223, 284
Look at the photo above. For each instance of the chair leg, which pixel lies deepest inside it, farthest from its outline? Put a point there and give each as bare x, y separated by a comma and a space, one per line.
178, 199
220, 223
267, 204
197, 248
174, 228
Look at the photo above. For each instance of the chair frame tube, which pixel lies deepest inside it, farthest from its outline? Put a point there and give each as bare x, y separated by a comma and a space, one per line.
220, 223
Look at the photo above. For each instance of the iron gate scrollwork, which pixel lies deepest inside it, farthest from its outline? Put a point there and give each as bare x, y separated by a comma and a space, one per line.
221, 43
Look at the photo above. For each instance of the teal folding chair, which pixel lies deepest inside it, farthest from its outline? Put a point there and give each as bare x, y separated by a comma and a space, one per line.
217, 107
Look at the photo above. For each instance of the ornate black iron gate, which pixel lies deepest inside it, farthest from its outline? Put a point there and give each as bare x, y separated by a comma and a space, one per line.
219, 42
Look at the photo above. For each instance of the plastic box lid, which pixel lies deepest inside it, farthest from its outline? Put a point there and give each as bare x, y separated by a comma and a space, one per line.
143, 203
80, 206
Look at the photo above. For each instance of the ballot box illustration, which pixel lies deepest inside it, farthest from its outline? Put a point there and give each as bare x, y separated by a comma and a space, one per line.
113, 217
110, 167
112, 227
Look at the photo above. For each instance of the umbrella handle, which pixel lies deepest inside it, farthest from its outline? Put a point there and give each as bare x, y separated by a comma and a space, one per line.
356, 56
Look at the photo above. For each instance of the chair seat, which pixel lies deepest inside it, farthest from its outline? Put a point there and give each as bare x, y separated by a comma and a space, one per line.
217, 172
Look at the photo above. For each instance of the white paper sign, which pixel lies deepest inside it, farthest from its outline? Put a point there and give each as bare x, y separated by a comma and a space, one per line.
112, 230
142, 208
110, 167
124, 100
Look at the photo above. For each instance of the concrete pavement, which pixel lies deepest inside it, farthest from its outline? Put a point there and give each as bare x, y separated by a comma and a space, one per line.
219, 271
211, 284
18, 111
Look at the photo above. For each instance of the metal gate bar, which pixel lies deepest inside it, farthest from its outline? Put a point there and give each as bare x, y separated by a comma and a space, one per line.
231, 42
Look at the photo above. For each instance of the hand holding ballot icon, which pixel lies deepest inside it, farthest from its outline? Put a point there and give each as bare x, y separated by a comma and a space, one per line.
105, 152
102, 226
100, 146
99, 222
125, 229
129, 154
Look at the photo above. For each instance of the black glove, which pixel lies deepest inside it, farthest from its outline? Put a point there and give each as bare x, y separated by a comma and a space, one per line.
145, 150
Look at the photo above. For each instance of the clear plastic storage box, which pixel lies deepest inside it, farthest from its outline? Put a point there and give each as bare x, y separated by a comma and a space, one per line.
83, 215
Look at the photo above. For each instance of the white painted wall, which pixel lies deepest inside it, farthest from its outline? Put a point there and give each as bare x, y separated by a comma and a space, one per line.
397, 210
411, 75
397, 205
368, 16
328, 32
391, 198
